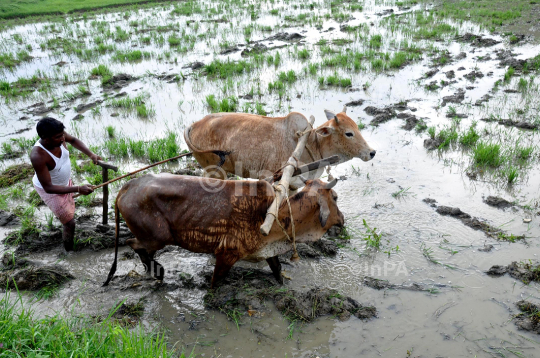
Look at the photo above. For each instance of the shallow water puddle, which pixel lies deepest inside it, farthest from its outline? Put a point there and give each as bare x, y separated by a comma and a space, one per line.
460, 311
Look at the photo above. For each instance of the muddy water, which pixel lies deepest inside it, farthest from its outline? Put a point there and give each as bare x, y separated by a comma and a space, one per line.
466, 313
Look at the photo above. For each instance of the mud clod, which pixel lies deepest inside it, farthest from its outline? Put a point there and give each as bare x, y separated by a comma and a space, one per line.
512, 123
378, 284
119, 81
10, 261
477, 40
473, 75
381, 114
529, 319
458, 97
34, 278
525, 272
470, 221
15, 174
355, 103
498, 202
86, 106
432, 143
8, 219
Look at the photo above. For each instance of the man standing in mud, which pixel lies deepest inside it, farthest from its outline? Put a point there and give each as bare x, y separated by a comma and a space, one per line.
52, 181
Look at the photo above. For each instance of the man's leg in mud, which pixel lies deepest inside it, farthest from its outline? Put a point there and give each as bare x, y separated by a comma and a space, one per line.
68, 234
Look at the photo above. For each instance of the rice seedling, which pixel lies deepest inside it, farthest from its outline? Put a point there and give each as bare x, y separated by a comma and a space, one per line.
101, 71
511, 173
375, 41
304, 54
229, 104
289, 76
161, 149
130, 56
509, 73
110, 131
487, 154
469, 138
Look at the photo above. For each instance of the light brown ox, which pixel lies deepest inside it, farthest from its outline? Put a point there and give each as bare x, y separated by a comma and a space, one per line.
180, 210
257, 146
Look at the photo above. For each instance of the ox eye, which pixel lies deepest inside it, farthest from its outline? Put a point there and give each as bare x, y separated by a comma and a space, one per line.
349, 134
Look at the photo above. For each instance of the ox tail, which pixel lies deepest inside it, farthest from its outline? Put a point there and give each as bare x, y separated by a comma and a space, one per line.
222, 154
117, 234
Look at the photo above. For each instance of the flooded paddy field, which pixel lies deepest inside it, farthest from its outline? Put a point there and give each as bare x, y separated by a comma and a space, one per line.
448, 95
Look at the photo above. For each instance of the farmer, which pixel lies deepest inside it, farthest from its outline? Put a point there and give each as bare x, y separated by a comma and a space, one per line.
52, 181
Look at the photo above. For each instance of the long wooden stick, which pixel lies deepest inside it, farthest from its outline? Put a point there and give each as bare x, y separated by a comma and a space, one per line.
283, 186
136, 171
306, 168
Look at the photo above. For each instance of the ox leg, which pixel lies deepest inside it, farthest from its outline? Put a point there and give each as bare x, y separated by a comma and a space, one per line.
224, 263
152, 267
275, 266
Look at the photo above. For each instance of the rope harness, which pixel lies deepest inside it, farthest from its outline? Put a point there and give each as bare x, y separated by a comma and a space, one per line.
295, 256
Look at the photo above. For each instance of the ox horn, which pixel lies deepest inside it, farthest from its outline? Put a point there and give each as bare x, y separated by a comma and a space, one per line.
344, 109
303, 179
335, 118
331, 184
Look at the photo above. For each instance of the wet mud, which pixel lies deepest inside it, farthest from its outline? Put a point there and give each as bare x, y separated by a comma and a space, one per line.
89, 234
466, 219
529, 319
249, 291
379, 284
526, 272
19, 273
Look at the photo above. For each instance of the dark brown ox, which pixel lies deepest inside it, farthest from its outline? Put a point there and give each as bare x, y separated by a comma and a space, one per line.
258, 146
219, 217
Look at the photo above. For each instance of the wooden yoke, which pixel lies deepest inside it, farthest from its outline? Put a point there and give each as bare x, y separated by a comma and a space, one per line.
282, 187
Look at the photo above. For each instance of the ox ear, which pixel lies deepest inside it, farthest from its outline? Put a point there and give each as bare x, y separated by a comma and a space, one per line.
324, 131
324, 211
329, 114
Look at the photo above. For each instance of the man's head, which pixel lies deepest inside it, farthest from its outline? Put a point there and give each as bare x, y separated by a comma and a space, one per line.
51, 131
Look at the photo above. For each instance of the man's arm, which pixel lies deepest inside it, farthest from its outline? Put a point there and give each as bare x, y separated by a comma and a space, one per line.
78, 144
40, 166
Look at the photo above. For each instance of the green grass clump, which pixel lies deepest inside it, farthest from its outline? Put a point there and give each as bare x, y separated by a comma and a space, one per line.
225, 69
127, 102
375, 41
335, 80
399, 60
469, 138
163, 148
130, 56
289, 76
509, 73
187, 8
101, 71
73, 336
24, 86
447, 136
229, 104
487, 154
303, 54
9, 60
174, 40
110, 131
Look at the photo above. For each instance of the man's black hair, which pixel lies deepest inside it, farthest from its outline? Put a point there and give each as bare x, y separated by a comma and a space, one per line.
48, 127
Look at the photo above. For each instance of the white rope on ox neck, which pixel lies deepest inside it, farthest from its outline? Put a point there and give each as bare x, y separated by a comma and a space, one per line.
300, 134
295, 256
